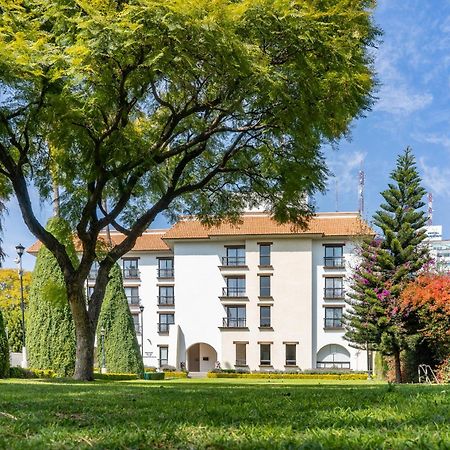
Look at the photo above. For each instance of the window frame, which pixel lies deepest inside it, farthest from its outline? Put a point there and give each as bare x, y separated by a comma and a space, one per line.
240, 361
333, 321
265, 362
290, 361
265, 291
268, 261
265, 308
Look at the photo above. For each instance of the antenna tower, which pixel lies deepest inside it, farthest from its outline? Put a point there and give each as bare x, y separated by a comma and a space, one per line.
430, 209
361, 184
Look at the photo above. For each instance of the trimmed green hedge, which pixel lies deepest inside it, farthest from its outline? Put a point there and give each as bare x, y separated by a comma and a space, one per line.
4, 350
115, 376
176, 374
154, 375
19, 372
291, 376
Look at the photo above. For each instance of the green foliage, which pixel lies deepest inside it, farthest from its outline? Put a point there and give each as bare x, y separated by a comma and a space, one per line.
50, 330
376, 319
154, 375
19, 372
290, 376
115, 376
4, 349
121, 347
10, 304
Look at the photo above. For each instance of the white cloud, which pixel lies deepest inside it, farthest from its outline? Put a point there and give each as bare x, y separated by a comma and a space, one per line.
442, 140
345, 167
398, 100
436, 178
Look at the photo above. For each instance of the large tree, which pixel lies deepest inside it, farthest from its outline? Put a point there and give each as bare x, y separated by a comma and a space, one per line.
172, 106
10, 304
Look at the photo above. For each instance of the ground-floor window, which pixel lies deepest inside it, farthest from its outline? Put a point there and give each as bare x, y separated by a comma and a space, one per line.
291, 354
241, 354
163, 356
265, 354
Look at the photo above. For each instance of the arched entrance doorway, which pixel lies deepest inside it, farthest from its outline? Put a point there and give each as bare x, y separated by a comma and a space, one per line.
333, 356
201, 357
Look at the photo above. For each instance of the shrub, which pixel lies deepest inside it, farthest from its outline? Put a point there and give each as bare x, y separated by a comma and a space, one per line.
168, 368
19, 372
176, 374
4, 350
154, 375
115, 376
443, 371
291, 376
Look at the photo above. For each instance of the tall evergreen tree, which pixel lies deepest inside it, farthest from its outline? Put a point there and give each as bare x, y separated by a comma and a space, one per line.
385, 268
122, 353
50, 336
4, 350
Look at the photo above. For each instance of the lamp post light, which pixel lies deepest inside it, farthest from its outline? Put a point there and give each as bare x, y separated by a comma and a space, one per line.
141, 308
102, 335
20, 250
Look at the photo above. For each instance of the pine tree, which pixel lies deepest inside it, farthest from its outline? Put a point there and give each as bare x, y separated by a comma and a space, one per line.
4, 350
50, 336
397, 260
121, 347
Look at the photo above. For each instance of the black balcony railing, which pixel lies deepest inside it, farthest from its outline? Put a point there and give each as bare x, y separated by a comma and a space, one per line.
265, 324
233, 292
163, 327
166, 273
130, 272
334, 261
333, 365
230, 322
165, 300
133, 300
233, 261
333, 322
334, 293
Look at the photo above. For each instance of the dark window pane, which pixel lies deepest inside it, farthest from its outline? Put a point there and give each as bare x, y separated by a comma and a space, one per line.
264, 286
264, 316
291, 357
265, 354
264, 254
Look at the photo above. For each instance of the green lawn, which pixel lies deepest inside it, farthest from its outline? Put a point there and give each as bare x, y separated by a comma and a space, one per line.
218, 414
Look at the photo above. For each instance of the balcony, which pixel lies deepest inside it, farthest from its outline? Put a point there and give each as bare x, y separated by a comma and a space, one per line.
166, 300
166, 273
229, 322
333, 323
233, 292
133, 300
233, 261
130, 273
333, 365
163, 328
334, 293
334, 262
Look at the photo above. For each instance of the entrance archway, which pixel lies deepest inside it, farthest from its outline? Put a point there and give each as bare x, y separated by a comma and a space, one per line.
333, 356
201, 357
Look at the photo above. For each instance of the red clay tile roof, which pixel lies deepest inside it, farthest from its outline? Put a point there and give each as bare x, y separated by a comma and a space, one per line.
150, 241
329, 224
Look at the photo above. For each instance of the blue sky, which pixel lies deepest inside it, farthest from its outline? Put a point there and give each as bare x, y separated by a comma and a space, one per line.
413, 108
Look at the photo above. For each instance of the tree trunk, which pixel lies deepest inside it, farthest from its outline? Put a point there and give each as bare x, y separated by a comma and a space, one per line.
398, 367
85, 336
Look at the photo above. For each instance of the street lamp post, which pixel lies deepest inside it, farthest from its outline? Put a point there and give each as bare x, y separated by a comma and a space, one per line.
102, 335
20, 250
141, 308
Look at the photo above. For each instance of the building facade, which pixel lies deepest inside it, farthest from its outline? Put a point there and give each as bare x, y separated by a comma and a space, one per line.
254, 296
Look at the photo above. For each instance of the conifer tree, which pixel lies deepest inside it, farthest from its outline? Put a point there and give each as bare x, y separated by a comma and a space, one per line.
50, 336
385, 268
121, 347
4, 350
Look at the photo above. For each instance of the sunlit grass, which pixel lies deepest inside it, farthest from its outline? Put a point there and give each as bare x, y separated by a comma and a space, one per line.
218, 414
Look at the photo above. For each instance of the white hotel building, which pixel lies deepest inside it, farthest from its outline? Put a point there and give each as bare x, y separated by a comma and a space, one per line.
255, 296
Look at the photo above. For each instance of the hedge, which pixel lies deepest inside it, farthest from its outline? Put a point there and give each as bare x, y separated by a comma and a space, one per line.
154, 375
115, 376
4, 350
176, 374
19, 372
291, 376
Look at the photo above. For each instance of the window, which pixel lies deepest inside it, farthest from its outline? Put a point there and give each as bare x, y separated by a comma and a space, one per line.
264, 316
164, 321
264, 286
334, 256
236, 317
235, 287
166, 295
291, 354
94, 271
333, 317
334, 287
132, 294
165, 268
136, 322
241, 354
163, 356
235, 256
130, 268
264, 254
265, 354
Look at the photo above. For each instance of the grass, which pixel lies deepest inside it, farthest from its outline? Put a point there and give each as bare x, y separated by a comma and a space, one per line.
222, 414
